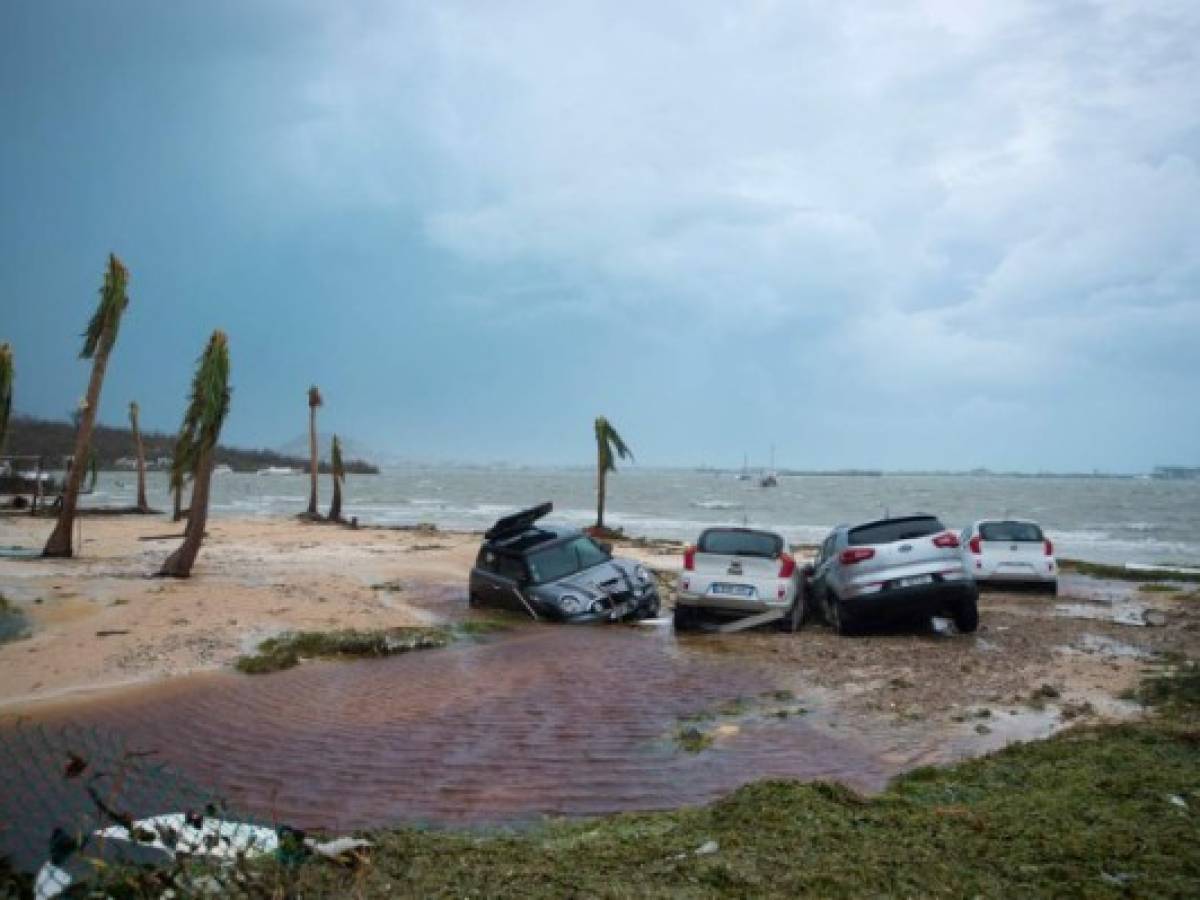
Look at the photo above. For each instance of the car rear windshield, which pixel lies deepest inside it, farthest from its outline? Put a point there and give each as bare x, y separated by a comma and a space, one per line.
732, 542
1011, 531
890, 530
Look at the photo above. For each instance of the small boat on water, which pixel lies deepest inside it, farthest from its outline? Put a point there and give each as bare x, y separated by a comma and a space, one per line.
769, 478
279, 470
222, 469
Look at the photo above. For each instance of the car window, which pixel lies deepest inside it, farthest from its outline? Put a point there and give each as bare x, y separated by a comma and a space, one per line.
740, 543
565, 559
1011, 531
890, 530
510, 567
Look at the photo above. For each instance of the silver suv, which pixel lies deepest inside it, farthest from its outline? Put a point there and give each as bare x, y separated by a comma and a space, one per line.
891, 570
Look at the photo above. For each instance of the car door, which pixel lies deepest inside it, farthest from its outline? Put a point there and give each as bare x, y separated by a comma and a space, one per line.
509, 577
820, 578
494, 583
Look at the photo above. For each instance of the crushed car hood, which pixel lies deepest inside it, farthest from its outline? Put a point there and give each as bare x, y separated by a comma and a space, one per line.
613, 577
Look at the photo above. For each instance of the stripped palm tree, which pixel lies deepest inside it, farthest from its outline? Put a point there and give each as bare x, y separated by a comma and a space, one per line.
179, 458
607, 440
314, 400
207, 408
98, 342
338, 471
140, 453
6, 390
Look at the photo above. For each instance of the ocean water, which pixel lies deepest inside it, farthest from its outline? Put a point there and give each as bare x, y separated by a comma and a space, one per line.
1100, 519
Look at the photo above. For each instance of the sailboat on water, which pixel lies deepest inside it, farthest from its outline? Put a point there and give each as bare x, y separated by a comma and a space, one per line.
770, 478
745, 473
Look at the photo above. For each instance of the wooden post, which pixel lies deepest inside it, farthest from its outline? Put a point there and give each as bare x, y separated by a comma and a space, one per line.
37, 488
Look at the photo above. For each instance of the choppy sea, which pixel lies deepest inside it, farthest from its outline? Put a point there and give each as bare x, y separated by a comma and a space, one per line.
1103, 519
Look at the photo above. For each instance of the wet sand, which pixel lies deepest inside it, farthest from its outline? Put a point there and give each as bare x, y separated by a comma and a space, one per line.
537, 720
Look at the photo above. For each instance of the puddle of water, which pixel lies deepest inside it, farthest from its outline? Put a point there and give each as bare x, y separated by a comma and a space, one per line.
1102, 645
13, 625
1119, 614
540, 720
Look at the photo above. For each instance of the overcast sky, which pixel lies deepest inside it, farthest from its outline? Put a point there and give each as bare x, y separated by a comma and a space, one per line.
898, 235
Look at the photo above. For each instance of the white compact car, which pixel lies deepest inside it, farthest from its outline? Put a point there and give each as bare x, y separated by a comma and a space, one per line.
1010, 551
738, 572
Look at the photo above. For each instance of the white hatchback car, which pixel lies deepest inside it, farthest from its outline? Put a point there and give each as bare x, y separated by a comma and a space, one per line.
1010, 551
738, 572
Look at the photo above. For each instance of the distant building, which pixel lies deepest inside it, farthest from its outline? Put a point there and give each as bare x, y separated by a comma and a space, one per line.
1176, 472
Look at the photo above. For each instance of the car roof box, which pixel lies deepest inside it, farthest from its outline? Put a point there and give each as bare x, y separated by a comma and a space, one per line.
518, 522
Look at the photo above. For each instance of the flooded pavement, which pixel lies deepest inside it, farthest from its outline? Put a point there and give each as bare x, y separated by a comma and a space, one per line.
541, 720
558, 720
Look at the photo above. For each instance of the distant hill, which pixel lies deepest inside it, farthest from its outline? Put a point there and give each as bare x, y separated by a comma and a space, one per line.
113, 446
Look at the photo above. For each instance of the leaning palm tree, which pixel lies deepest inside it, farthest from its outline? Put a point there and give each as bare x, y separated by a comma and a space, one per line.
179, 458
139, 450
607, 440
207, 408
98, 342
314, 400
6, 388
338, 471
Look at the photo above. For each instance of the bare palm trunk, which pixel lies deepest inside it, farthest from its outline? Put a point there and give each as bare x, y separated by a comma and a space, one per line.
142, 505
177, 512
335, 508
312, 446
179, 564
601, 478
59, 543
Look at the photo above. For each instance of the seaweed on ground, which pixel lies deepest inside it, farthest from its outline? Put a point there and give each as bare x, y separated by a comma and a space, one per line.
286, 650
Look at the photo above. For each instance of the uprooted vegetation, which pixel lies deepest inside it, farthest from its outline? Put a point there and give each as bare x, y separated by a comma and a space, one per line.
286, 650
1120, 573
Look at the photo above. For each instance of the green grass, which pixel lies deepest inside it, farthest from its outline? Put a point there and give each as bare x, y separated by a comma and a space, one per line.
1155, 587
1120, 573
1087, 813
288, 649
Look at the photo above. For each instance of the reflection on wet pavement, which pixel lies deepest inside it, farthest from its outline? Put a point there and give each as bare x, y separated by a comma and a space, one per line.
541, 720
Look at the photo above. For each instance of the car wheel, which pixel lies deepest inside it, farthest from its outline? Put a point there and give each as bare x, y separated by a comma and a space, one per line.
839, 616
966, 616
794, 620
1053, 589
683, 619
652, 610
472, 600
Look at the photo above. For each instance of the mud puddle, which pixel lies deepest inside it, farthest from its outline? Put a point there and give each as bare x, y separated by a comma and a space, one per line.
540, 720
557, 720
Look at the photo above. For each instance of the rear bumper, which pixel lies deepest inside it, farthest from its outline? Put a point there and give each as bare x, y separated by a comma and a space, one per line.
1000, 582
719, 603
917, 602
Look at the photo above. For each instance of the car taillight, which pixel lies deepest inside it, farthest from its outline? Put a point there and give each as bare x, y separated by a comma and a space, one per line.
787, 565
689, 559
1049, 548
946, 539
975, 544
852, 555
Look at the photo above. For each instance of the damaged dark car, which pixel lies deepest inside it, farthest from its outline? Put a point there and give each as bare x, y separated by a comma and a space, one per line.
559, 574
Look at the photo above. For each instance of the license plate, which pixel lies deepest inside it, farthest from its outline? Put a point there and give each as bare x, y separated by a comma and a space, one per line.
913, 580
733, 590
